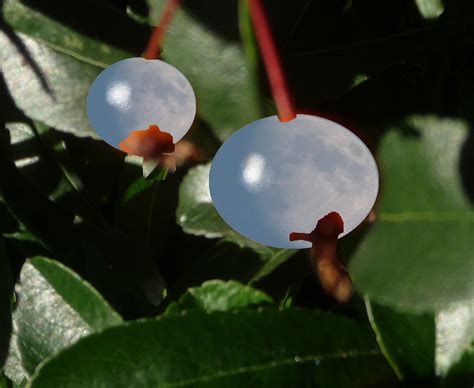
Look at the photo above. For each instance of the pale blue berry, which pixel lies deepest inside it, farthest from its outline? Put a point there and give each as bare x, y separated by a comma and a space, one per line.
272, 178
135, 93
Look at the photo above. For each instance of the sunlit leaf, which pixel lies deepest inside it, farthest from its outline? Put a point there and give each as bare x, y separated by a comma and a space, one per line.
49, 66
47, 85
26, 17
430, 9
267, 348
55, 308
217, 295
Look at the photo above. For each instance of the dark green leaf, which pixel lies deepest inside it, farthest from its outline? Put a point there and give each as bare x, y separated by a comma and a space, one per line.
217, 295
274, 260
27, 199
227, 101
461, 374
252, 51
225, 260
138, 201
407, 340
423, 345
3, 382
264, 349
55, 308
419, 254
22, 244
39, 153
99, 253
97, 164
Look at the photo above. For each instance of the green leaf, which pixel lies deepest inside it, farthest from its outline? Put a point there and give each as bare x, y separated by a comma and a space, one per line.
419, 346
225, 260
462, 373
39, 153
47, 188
251, 50
25, 17
197, 215
97, 164
46, 84
407, 340
13, 368
55, 308
6, 292
49, 66
28, 199
249, 348
454, 338
100, 253
274, 260
3, 382
217, 295
430, 9
228, 101
138, 200
419, 256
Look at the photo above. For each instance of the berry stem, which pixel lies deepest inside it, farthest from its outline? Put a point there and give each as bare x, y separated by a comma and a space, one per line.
153, 48
272, 61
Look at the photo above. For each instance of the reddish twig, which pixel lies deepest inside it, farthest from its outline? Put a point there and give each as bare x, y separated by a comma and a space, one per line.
334, 278
156, 39
272, 61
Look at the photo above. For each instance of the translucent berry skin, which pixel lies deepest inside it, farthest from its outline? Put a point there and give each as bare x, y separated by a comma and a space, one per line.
272, 178
135, 93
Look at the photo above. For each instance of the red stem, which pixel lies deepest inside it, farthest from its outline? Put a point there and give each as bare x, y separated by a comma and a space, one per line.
156, 39
272, 61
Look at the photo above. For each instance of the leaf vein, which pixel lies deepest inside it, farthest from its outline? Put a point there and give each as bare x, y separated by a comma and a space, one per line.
427, 217
270, 365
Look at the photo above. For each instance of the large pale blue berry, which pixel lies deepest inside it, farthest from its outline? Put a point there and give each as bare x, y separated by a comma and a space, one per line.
135, 93
272, 178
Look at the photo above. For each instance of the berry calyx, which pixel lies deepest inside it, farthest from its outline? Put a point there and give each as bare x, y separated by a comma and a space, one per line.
151, 143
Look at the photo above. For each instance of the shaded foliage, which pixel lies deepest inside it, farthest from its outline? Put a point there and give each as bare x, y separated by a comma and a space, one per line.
399, 73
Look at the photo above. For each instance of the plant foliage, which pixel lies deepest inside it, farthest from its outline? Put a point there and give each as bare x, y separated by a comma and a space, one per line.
108, 278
